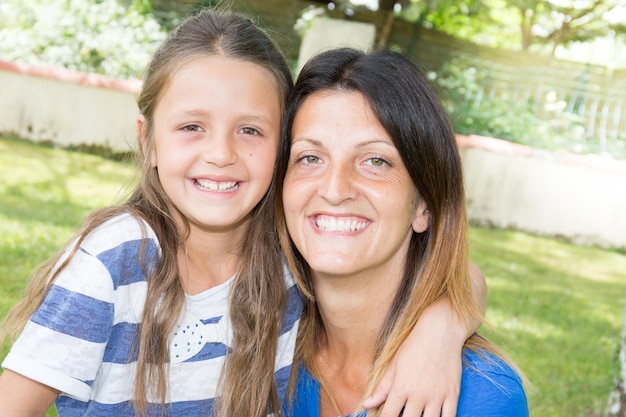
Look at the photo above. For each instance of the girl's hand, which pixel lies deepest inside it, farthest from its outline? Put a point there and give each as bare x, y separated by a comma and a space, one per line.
424, 377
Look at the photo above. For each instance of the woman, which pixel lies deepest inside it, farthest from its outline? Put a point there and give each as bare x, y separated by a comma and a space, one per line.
373, 201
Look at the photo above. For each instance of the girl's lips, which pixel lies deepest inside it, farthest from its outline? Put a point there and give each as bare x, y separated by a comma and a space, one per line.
216, 186
340, 224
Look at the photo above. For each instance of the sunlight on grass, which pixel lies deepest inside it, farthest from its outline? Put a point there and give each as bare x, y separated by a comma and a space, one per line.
558, 309
502, 321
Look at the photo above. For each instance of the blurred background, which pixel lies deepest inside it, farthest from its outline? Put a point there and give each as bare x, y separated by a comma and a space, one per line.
535, 89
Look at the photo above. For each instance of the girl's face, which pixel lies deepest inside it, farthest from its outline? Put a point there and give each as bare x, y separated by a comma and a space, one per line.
350, 204
216, 133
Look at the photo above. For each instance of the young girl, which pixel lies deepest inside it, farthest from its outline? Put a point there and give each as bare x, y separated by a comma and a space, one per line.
181, 290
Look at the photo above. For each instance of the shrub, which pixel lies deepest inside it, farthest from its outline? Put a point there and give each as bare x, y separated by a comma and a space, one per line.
102, 36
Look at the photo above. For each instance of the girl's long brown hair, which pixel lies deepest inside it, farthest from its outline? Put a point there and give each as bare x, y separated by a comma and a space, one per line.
258, 294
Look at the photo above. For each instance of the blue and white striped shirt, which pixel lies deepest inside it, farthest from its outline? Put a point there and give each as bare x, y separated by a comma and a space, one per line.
80, 340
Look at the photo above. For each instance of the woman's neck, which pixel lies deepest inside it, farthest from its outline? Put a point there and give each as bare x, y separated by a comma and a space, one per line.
353, 310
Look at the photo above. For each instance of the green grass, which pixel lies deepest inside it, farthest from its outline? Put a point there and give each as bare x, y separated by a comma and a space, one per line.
558, 310
556, 307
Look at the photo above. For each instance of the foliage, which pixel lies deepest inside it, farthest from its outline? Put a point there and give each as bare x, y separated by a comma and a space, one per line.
519, 24
102, 36
474, 110
561, 22
554, 306
464, 19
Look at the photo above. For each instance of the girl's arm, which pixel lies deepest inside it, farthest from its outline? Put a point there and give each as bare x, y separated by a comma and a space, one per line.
23, 397
425, 375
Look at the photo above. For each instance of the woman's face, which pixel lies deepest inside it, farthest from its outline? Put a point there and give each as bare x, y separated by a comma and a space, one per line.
350, 204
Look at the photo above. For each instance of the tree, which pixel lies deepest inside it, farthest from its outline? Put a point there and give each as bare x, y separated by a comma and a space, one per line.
555, 23
539, 23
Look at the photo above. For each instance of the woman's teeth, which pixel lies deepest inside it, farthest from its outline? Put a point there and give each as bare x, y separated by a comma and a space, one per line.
331, 224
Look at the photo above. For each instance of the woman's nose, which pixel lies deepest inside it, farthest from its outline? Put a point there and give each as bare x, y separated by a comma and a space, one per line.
337, 183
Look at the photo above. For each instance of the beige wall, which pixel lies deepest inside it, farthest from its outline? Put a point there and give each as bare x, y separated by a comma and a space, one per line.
325, 33
581, 198
66, 107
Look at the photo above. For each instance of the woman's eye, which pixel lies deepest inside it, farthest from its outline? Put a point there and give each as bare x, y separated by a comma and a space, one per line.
249, 131
309, 159
377, 162
192, 128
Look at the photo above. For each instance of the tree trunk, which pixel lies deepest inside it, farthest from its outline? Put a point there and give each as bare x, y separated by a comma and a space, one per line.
617, 399
385, 31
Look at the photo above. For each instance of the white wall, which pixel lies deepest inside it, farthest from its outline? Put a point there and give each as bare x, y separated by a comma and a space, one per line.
582, 198
326, 33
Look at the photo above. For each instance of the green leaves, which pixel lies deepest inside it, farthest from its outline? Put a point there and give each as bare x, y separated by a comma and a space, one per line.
101, 36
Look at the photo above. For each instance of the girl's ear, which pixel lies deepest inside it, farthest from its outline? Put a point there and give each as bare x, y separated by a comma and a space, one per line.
142, 134
422, 218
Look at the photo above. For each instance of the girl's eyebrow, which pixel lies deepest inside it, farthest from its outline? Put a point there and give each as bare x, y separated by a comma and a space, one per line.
201, 112
256, 118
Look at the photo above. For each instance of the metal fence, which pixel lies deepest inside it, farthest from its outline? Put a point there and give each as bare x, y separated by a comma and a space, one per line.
592, 96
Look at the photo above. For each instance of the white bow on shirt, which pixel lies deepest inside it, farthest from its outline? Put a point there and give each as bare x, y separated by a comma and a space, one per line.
190, 336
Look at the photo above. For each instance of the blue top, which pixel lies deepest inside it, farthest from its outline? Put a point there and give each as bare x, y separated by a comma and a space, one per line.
489, 388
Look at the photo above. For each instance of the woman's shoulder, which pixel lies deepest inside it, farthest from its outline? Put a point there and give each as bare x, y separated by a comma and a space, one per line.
306, 396
490, 387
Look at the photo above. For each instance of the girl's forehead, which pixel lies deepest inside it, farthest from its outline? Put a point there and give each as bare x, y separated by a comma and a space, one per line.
212, 77
249, 65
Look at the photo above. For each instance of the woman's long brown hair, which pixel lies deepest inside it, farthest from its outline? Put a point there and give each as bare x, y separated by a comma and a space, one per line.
437, 262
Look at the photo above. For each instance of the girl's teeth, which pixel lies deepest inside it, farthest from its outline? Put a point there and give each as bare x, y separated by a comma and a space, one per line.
217, 186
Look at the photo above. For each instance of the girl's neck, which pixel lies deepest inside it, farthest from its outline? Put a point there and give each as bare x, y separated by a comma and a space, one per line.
208, 259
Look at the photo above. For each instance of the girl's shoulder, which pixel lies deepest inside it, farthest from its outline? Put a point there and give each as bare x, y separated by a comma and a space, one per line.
122, 229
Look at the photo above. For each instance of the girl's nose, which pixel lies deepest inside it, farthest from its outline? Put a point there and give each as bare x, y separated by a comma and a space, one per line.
220, 150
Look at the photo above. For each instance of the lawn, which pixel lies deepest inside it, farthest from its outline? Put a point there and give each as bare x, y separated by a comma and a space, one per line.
556, 307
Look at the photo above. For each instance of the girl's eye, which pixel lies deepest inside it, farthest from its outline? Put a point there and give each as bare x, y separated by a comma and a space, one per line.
377, 161
192, 128
250, 131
